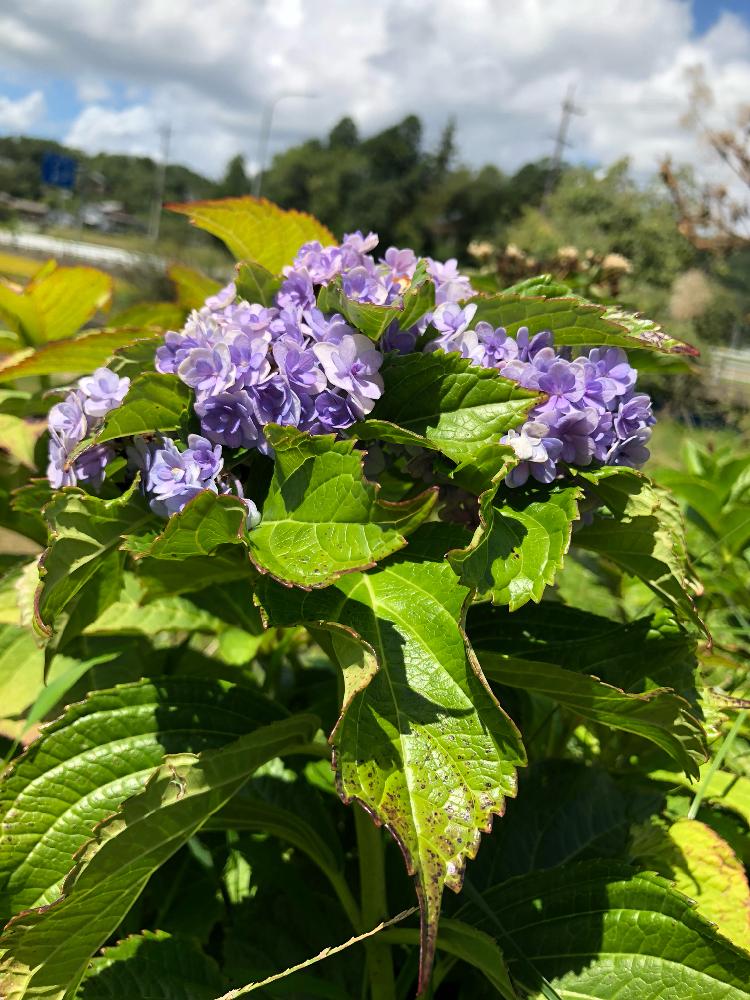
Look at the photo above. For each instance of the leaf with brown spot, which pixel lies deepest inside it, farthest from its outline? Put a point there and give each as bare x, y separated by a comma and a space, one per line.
424, 746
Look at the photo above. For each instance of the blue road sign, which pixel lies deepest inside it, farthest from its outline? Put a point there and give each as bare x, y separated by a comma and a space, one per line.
59, 171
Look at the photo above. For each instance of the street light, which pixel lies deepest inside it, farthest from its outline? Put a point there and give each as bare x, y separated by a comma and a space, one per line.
265, 134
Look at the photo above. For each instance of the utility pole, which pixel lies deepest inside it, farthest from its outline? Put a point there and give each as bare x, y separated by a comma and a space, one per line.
264, 135
165, 132
568, 109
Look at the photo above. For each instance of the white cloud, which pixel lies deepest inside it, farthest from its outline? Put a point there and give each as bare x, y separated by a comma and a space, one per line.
500, 69
20, 115
92, 90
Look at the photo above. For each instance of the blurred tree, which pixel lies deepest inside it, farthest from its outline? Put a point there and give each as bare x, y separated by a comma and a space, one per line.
235, 182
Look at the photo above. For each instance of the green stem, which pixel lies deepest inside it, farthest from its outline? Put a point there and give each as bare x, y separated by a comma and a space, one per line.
374, 904
716, 764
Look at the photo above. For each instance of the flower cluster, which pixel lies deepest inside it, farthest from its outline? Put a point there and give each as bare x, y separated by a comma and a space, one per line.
251, 364
592, 411
289, 363
172, 476
78, 416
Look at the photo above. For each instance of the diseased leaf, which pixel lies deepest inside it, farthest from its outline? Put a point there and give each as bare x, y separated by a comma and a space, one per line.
153, 964
256, 229
442, 401
321, 518
45, 951
373, 320
423, 746
575, 321
84, 354
659, 716
644, 535
83, 529
518, 546
603, 931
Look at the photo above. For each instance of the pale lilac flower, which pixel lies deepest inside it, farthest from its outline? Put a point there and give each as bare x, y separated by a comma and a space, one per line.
102, 392
208, 370
353, 365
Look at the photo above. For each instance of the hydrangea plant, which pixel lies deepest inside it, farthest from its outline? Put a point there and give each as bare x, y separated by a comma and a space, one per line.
361, 453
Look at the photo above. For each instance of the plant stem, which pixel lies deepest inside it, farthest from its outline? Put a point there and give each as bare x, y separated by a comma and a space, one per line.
716, 763
374, 905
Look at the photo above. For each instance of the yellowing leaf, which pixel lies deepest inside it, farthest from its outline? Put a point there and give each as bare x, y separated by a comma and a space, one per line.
256, 229
57, 302
711, 873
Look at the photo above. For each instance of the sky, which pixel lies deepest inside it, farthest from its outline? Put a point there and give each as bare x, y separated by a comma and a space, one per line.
108, 75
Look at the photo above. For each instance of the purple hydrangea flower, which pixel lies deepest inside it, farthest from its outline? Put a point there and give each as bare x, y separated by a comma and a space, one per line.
90, 466
222, 297
174, 478
334, 411
67, 421
228, 419
208, 370
632, 416
299, 367
296, 290
102, 392
612, 363
352, 365
58, 473
538, 450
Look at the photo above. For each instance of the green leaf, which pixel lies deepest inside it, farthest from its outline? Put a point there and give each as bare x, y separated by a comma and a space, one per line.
467, 943
635, 656
659, 716
157, 316
100, 752
45, 951
57, 302
83, 529
83, 354
18, 437
705, 868
321, 517
373, 320
153, 964
725, 789
575, 321
21, 669
154, 403
442, 401
193, 287
602, 931
67, 298
519, 545
643, 535
256, 284
167, 577
256, 229
423, 746
204, 523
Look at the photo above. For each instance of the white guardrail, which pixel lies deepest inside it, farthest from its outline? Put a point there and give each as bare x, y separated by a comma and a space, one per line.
730, 364
91, 253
